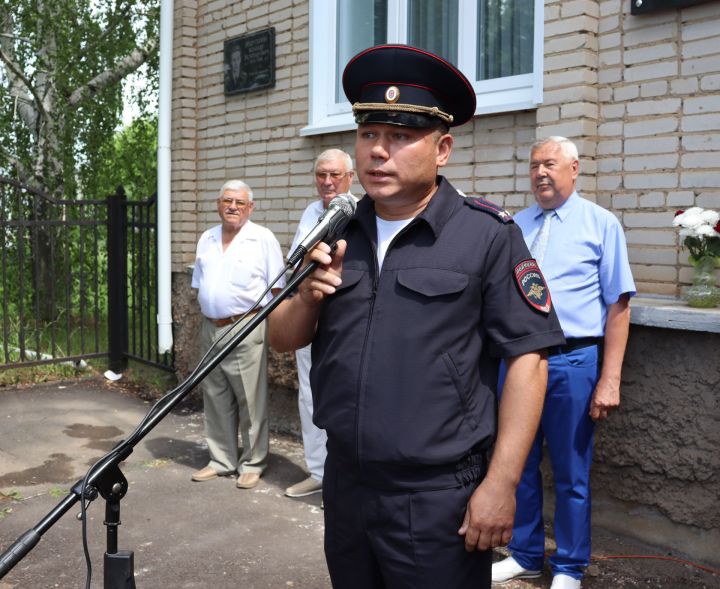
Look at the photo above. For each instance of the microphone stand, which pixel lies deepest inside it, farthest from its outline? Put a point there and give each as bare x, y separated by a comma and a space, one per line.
105, 476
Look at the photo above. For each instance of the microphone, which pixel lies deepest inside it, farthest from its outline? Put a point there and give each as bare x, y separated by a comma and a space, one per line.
330, 223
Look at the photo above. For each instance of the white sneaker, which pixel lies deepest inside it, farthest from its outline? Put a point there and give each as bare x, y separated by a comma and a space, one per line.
509, 569
565, 582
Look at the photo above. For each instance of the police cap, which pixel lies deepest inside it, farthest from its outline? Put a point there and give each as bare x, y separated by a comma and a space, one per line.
403, 85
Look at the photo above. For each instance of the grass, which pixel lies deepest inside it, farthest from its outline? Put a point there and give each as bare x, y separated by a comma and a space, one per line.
73, 336
157, 463
28, 375
147, 381
13, 496
57, 492
78, 337
10, 497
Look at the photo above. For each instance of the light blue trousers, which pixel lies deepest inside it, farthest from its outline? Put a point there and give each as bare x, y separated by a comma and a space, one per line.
568, 431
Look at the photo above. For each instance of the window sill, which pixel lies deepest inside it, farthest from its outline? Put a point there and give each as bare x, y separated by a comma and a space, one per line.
346, 122
670, 313
337, 125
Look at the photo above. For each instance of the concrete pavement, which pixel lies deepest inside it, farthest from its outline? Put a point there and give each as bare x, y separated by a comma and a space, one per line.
189, 535
184, 534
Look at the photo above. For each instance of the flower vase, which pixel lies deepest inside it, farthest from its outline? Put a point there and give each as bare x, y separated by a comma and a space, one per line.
703, 293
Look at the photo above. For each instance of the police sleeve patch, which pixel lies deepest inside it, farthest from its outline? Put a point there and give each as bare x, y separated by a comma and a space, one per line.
532, 285
491, 208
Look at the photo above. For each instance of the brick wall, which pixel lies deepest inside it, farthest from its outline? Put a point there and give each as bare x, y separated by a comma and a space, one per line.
252, 136
642, 93
256, 136
639, 95
184, 134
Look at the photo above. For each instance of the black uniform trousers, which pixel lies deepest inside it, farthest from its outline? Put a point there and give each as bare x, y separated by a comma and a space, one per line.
379, 538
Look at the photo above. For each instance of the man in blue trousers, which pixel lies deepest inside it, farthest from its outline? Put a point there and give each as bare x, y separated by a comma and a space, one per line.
580, 248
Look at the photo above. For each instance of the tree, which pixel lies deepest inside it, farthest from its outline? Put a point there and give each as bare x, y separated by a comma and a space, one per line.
61, 67
62, 63
130, 160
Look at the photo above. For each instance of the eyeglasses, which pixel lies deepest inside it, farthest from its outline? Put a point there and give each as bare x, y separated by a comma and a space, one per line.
239, 204
331, 175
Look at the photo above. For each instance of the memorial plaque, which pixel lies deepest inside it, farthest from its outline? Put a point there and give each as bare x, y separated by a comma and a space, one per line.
250, 62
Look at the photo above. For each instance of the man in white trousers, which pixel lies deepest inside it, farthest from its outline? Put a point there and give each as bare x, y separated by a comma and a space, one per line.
333, 172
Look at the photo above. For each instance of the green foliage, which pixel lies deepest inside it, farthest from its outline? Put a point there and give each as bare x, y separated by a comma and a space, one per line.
54, 272
700, 247
130, 161
62, 66
37, 374
60, 85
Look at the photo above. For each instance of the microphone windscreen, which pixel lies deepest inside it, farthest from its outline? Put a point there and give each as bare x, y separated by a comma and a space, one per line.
345, 202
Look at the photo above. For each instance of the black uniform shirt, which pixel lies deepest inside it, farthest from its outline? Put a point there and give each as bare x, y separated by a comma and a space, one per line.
405, 361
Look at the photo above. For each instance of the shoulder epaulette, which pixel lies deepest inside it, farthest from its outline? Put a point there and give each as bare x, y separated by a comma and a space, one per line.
486, 206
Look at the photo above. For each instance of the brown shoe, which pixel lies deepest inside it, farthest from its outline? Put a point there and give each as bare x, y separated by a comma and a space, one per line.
248, 480
205, 474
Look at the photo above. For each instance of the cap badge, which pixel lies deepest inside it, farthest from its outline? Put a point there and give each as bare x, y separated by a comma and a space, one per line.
392, 94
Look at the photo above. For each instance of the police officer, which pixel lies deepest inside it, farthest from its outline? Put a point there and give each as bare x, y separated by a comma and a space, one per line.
408, 318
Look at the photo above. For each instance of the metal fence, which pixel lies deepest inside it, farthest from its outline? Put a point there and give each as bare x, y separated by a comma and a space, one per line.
77, 279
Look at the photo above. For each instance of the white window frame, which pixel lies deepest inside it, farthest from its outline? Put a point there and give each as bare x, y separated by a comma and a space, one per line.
497, 95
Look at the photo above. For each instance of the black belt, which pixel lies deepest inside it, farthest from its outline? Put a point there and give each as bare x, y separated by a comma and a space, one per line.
472, 467
574, 343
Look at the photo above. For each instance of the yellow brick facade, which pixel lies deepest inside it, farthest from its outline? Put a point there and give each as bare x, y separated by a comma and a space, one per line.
639, 95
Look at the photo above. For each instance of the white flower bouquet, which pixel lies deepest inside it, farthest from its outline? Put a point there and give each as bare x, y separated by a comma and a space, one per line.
700, 230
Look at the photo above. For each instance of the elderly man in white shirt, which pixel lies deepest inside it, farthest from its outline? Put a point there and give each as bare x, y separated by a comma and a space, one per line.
333, 172
234, 264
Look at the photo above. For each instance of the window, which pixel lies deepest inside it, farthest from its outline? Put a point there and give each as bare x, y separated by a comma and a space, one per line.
497, 44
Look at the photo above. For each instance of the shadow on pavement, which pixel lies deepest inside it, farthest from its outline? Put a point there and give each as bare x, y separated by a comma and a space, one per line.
183, 534
190, 535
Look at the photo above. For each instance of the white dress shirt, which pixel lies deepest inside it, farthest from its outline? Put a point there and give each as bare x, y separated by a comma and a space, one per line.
309, 219
229, 282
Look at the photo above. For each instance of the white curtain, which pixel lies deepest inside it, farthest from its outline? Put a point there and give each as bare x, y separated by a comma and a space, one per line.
360, 24
433, 26
505, 38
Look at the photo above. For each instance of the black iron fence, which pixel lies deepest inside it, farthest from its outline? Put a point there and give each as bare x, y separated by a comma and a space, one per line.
77, 279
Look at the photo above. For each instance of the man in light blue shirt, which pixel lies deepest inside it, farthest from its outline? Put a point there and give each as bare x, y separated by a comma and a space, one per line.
581, 250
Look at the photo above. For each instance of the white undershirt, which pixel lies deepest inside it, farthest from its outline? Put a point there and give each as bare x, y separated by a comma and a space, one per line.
386, 232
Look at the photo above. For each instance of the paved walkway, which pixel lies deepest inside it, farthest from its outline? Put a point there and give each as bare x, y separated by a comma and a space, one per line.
184, 535
189, 535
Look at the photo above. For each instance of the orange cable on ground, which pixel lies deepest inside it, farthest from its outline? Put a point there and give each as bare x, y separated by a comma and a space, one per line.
707, 569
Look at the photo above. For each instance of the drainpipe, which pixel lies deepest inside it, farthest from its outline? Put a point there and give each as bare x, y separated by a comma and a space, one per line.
164, 279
